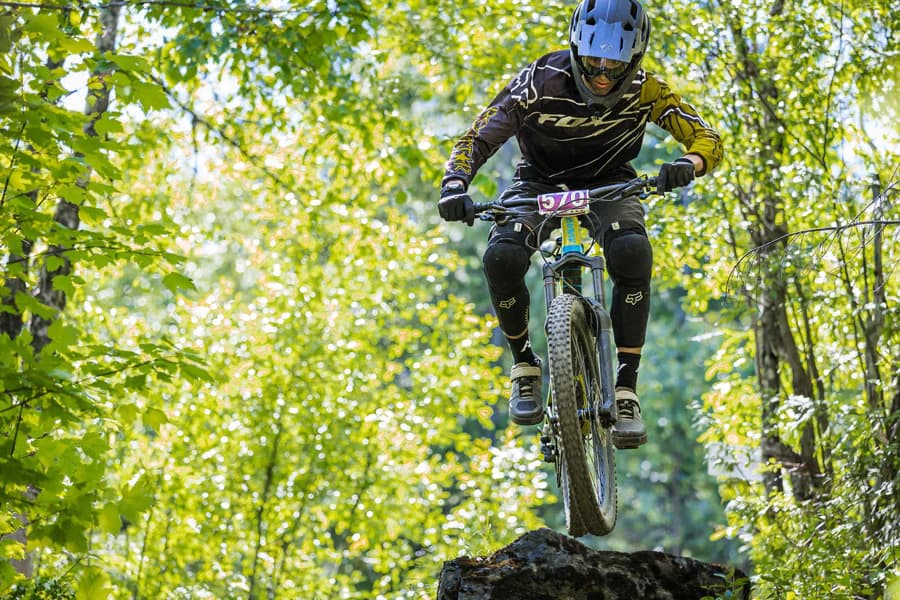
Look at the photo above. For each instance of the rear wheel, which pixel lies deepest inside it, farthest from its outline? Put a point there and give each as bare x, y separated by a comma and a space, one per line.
588, 469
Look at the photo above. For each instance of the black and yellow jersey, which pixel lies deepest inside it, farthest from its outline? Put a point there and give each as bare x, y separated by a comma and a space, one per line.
564, 141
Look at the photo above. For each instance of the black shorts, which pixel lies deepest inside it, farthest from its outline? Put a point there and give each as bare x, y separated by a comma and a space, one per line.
531, 229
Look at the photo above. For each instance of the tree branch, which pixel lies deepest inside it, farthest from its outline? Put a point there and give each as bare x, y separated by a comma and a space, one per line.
86, 380
218, 131
763, 247
164, 3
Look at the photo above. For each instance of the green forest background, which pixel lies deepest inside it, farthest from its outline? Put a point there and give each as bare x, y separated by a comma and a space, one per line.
242, 357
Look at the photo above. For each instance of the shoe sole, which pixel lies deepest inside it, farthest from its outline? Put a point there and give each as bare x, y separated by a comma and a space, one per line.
524, 421
622, 442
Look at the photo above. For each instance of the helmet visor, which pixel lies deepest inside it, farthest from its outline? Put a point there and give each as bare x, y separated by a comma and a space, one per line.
594, 67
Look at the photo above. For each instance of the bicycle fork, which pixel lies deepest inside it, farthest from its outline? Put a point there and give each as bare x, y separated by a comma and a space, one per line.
567, 270
563, 270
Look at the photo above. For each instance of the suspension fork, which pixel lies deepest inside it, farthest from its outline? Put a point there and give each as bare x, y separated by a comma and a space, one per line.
602, 329
567, 269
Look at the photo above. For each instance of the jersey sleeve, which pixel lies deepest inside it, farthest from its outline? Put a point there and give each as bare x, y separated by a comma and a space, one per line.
496, 124
680, 119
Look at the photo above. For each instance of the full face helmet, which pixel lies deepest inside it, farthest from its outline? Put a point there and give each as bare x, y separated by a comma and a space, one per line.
617, 30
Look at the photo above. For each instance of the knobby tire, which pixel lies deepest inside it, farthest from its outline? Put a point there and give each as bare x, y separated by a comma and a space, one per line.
574, 523
588, 455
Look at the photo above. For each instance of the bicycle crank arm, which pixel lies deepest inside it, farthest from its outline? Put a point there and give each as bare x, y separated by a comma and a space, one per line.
604, 415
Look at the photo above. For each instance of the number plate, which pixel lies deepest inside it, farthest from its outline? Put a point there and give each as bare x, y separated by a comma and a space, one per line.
572, 202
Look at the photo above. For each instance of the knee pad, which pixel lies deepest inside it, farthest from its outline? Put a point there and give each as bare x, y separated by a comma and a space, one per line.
505, 264
629, 257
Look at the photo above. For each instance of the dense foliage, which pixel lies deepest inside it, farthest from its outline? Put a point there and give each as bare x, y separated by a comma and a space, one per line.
256, 359
794, 230
240, 356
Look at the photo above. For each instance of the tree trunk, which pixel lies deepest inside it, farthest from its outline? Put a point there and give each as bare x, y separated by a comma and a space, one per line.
66, 215
778, 358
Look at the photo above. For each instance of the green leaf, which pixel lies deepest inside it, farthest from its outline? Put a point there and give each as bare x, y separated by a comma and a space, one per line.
136, 499
150, 95
128, 413
195, 372
58, 373
109, 519
142, 260
102, 164
6, 37
62, 335
54, 263
106, 124
92, 214
8, 89
11, 548
154, 229
100, 188
93, 584
27, 302
128, 62
154, 418
175, 281
64, 284
47, 25
70, 533
7, 574
94, 444
50, 449
75, 45
173, 259
136, 383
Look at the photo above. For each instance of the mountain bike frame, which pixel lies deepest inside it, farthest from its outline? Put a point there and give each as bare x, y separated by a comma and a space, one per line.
564, 275
581, 410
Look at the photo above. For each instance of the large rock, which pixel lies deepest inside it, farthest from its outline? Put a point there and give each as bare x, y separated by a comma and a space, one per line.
545, 565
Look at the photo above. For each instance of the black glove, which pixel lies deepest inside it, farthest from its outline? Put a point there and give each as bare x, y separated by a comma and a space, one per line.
675, 174
455, 204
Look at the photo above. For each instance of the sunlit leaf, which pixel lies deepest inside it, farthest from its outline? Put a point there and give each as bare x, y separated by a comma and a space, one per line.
176, 282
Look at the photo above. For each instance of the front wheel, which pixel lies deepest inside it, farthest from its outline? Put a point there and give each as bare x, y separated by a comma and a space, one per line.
588, 454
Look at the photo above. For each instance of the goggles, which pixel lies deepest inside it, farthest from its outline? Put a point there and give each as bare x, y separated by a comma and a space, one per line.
611, 69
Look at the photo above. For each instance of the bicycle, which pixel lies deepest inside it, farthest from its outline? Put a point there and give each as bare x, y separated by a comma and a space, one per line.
581, 408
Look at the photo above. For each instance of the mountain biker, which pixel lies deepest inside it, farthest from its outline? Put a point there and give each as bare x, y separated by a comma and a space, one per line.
579, 117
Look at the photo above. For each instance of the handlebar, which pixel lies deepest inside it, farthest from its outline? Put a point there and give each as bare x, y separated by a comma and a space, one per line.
641, 186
